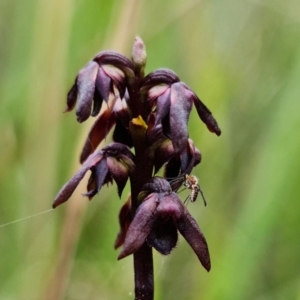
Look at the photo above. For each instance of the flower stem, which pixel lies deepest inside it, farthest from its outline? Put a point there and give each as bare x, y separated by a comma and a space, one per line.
143, 260
143, 273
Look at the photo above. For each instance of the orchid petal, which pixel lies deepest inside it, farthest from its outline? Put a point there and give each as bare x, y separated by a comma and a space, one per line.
97, 133
162, 106
179, 114
119, 173
67, 190
72, 97
103, 84
124, 221
140, 226
206, 116
100, 172
86, 88
189, 229
163, 236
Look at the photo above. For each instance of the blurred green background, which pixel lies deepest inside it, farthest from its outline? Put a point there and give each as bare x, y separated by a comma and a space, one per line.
243, 60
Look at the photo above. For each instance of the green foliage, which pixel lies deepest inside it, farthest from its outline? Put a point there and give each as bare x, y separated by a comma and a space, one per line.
242, 58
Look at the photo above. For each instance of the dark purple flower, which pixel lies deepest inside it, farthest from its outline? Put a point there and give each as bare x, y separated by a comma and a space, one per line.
172, 101
157, 220
107, 74
112, 162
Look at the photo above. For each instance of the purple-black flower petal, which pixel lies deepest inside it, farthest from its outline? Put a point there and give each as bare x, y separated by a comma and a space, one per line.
114, 73
118, 78
86, 88
122, 135
117, 149
170, 206
67, 190
154, 134
188, 157
100, 172
179, 114
122, 112
119, 173
127, 161
124, 221
163, 154
198, 157
103, 84
98, 132
163, 236
189, 229
157, 185
185, 158
162, 106
140, 226
172, 168
206, 116
117, 60
156, 91
159, 76
72, 97
194, 158
121, 87
98, 100
165, 122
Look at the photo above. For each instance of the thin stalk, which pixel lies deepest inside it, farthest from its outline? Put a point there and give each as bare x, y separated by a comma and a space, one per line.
143, 258
143, 273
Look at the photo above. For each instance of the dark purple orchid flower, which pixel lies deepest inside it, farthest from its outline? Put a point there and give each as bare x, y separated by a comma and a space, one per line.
106, 74
157, 220
172, 101
112, 162
103, 78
